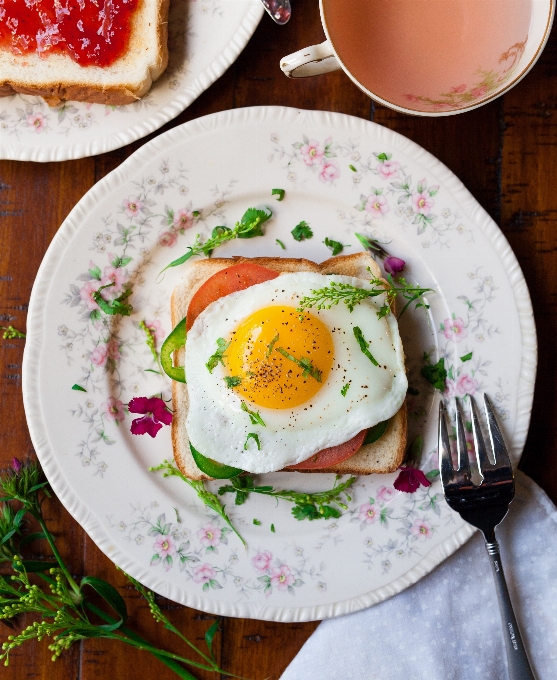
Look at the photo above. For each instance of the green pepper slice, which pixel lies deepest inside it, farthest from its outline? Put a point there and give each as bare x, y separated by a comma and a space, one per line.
212, 468
376, 432
174, 341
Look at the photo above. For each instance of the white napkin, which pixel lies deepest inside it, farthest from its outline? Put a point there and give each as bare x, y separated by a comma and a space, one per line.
447, 626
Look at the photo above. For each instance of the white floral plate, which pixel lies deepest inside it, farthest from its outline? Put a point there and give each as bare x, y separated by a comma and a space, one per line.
341, 175
204, 38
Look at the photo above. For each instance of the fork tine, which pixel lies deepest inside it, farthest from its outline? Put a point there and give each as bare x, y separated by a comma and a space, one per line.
463, 459
481, 453
444, 447
500, 453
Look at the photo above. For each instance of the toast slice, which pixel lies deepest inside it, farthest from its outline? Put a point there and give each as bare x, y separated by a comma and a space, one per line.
58, 77
383, 456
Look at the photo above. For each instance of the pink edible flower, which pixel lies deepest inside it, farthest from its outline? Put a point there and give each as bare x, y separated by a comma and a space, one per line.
156, 414
393, 265
409, 479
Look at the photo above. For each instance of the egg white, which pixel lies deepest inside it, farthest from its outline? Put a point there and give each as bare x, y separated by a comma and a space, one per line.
218, 428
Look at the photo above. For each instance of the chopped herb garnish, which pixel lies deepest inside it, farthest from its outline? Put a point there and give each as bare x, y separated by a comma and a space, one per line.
257, 522
255, 437
218, 356
466, 357
254, 416
325, 298
280, 243
273, 528
279, 193
345, 389
302, 231
304, 362
364, 345
116, 306
352, 168
78, 388
249, 226
232, 380
335, 246
436, 374
306, 505
272, 344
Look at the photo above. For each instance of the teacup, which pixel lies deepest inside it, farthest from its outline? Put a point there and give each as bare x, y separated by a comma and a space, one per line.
428, 57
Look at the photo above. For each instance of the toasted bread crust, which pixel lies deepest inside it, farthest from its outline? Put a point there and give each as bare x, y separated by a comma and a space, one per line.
381, 457
82, 86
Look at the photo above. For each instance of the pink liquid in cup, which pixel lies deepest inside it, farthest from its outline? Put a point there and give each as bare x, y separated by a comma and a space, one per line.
429, 55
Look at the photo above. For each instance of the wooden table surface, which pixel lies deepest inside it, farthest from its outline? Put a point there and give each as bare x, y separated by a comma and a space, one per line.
505, 153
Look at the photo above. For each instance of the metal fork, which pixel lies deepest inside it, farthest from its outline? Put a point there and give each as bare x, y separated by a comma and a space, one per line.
484, 506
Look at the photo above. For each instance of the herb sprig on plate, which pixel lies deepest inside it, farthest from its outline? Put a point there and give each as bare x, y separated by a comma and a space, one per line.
306, 505
249, 226
335, 292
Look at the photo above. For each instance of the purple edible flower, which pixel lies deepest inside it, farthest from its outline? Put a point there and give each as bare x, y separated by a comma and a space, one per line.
16, 465
409, 480
393, 265
156, 414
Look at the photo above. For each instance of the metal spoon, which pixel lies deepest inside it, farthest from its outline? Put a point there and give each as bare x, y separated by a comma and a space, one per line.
278, 10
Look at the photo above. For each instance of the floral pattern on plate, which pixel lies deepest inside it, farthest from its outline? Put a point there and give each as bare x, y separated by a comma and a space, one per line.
143, 216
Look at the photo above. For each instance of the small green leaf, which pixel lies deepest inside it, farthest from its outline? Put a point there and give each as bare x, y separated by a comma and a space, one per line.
279, 193
466, 357
345, 389
302, 231
218, 356
254, 416
109, 595
273, 528
232, 380
257, 522
432, 474
352, 168
78, 388
435, 374
364, 345
335, 246
255, 437
304, 363
280, 243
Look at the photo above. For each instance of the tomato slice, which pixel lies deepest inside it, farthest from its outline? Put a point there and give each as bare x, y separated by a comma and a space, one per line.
332, 455
229, 280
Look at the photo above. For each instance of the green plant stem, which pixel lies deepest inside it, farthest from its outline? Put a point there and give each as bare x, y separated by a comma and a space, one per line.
76, 589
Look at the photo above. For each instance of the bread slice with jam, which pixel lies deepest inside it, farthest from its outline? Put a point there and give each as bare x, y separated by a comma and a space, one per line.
382, 456
56, 76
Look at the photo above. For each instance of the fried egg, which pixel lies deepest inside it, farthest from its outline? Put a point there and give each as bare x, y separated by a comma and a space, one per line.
270, 386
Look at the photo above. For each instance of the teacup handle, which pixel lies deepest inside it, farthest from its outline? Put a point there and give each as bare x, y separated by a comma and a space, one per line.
311, 61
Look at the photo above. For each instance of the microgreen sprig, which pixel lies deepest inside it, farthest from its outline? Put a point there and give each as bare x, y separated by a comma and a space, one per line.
10, 332
306, 505
249, 226
254, 416
335, 292
219, 356
150, 340
116, 306
304, 362
208, 498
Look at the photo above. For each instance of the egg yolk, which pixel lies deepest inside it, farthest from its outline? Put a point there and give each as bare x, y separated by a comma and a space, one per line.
282, 357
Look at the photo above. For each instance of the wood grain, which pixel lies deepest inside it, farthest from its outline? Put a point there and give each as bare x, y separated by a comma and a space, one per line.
505, 153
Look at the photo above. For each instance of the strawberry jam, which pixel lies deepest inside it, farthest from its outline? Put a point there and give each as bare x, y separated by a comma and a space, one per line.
92, 32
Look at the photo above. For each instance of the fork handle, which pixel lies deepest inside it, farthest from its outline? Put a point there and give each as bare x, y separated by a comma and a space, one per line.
519, 666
